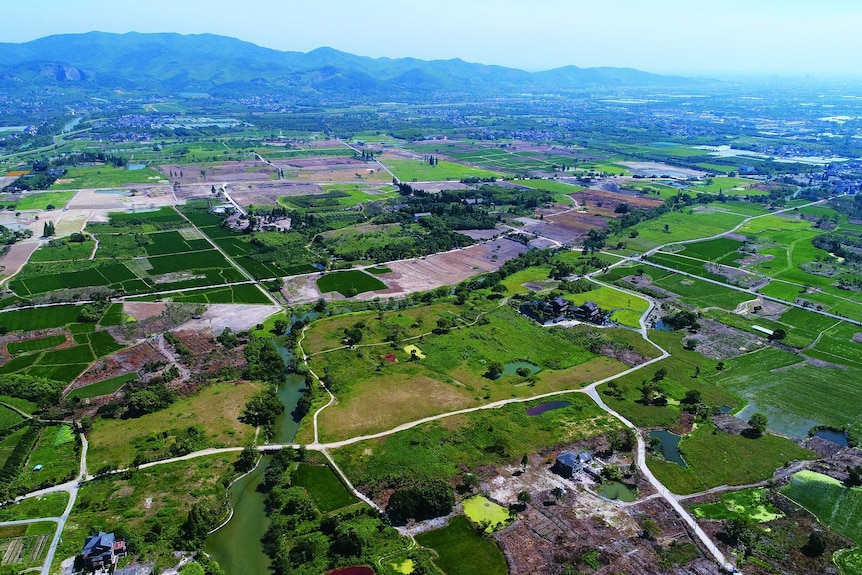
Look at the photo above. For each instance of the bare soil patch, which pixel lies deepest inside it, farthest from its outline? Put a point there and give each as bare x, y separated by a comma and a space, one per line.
130, 360
238, 317
15, 258
143, 310
148, 196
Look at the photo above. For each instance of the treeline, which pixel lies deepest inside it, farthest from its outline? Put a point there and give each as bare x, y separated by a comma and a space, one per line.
77, 158
844, 246
42, 392
15, 463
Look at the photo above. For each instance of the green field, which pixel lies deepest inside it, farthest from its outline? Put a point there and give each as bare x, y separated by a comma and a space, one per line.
849, 561
837, 506
40, 201
462, 551
9, 417
716, 250
349, 283
688, 225
417, 170
106, 177
325, 488
36, 344
559, 189
49, 505
612, 299
57, 453
105, 387
39, 318
726, 185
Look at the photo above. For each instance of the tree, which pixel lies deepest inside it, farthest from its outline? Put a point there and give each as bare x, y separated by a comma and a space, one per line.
692, 397
48, 229
667, 228
280, 326
262, 408
778, 335
247, 459
758, 423
495, 370
816, 545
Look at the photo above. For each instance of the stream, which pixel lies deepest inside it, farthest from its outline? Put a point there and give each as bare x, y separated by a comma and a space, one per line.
237, 545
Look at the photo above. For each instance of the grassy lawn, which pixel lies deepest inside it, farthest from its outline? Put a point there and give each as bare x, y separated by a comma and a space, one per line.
612, 299
462, 551
410, 170
325, 488
9, 417
349, 283
553, 186
835, 505
215, 409
41, 200
106, 177
712, 250
724, 184
514, 283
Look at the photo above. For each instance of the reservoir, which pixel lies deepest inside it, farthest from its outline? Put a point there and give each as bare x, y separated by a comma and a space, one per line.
669, 445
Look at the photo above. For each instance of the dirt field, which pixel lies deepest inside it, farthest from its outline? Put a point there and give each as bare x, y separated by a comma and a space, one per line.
128, 360
15, 258
148, 197
564, 228
143, 310
220, 173
235, 316
604, 202
658, 169
418, 274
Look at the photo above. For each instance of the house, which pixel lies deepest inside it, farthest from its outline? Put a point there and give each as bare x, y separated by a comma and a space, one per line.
560, 305
282, 225
567, 465
101, 552
589, 311
420, 215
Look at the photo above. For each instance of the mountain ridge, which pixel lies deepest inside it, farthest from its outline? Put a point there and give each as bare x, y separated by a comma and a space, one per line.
201, 62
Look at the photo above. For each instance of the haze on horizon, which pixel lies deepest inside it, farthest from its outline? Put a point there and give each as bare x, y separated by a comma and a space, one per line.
734, 37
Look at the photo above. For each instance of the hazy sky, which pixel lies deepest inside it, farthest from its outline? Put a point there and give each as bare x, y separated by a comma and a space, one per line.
666, 36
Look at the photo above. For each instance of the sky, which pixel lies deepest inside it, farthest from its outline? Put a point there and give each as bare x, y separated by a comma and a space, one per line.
687, 37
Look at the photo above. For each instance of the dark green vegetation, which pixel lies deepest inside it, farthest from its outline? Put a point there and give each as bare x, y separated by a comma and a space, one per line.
327, 491
836, 505
462, 551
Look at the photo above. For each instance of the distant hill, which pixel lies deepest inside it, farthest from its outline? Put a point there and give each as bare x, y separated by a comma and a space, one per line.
221, 65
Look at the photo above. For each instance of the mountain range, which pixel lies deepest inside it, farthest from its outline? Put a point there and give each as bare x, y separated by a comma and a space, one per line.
224, 66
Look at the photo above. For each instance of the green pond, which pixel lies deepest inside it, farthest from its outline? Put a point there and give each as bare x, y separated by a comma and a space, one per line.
513, 366
236, 545
669, 445
618, 491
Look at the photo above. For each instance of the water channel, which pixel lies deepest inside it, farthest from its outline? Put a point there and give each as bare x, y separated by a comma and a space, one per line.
237, 545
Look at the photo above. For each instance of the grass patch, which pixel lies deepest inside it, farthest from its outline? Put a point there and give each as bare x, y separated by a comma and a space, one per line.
325, 488
417, 170
462, 551
41, 200
39, 318
9, 417
684, 225
49, 505
57, 453
106, 177
481, 510
349, 283
116, 442
751, 504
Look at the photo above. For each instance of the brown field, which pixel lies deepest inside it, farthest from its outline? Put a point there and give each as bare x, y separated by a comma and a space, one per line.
388, 402
17, 173
418, 274
564, 227
604, 202
143, 310
219, 173
149, 196
15, 258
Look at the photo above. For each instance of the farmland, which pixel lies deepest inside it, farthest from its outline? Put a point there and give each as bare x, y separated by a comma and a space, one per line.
419, 171
461, 551
835, 505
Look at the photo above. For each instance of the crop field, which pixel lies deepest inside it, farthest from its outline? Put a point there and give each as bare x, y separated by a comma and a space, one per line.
39, 318
683, 264
752, 504
215, 410
106, 177
68, 252
349, 283
417, 170
106, 387
462, 551
559, 189
57, 453
727, 186
680, 227
7, 445
238, 293
9, 417
40, 201
837, 506
702, 294
515, 282
22, 405
513, 162
716, 250
49, 505
325, 488
37, 344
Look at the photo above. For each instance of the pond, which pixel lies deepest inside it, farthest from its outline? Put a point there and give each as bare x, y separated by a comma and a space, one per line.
135, 167
669, 445
618, 491
547, 406
839, 437
725, 408
236, 545
356, 570
513, 366
659, 325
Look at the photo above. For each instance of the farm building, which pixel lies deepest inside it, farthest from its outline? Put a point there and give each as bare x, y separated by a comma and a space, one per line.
101, 552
